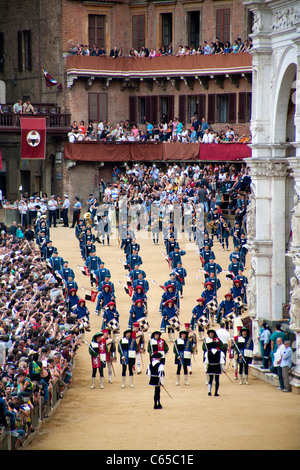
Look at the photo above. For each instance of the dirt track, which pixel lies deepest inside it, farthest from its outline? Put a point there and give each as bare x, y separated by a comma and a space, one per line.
250, 417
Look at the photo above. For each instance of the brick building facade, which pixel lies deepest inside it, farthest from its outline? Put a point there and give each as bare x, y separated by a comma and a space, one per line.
44, 38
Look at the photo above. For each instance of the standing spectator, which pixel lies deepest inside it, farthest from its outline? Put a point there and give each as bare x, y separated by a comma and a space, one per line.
286, 364
266, 343
52, 210
65, 210
76, 211
275, 368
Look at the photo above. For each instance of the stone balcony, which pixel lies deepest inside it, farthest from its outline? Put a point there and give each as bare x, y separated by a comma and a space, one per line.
163, 69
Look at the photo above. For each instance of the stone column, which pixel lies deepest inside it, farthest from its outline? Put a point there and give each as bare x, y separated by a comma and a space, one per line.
294, 253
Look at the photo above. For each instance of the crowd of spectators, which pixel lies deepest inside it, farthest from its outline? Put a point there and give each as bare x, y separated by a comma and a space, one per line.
166, 131
224, 186
39, 335
206, 48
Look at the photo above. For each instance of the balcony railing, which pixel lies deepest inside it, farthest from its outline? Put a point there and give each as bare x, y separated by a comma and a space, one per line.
56, 122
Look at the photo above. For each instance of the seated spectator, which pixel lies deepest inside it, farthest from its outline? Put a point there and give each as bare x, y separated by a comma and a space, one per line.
28, 108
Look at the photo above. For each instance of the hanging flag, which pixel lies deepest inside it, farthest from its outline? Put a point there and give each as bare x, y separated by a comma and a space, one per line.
33, 137
51, 81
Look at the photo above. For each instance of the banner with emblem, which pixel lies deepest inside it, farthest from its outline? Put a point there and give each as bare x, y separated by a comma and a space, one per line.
33, 138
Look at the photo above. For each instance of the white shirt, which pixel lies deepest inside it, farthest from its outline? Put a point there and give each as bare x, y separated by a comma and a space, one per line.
278, 355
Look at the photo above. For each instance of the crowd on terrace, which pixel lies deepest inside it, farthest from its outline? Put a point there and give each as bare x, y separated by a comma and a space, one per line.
166, 131
206, 48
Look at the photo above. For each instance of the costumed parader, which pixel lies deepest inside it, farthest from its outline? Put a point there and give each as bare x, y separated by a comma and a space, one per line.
104, 297
97, 350
141, 281
127, 349
69, 284
180, 274
183, 354
137, 311
211, 302
227, 311
101, 273
170, 294
158, 344
139, 293
211, 341
239, 295
81, 311
193, 338
156, 375
173, 281
72, 300
214, 362
223, 232
244, 348
111, 317
200, 317
110, 352
138, 335
169, 313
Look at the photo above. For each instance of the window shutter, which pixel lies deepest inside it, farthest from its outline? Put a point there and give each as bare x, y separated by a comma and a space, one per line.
102, 106
96, 30
93, 106
170, 107
1, 52
242, 107
148, 108
20, 52
182, 108
211, 111
153, 109
138, 31
232, 107
223, 24
132, 109
29, 52
201, 111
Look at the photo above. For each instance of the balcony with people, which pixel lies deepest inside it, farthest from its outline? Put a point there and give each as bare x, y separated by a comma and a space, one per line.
57, 122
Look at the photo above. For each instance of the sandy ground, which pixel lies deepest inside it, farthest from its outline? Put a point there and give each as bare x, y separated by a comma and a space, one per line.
252, 417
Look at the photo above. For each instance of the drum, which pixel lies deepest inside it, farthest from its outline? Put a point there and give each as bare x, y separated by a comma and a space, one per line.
143, 323
113, 325
174, 323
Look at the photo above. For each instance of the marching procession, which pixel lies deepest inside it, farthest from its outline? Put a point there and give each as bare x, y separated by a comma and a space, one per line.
129, 347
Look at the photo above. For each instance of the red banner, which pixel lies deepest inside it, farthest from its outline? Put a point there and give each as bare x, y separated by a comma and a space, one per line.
33, 138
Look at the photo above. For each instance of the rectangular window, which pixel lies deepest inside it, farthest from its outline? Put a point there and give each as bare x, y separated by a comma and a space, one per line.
138, 31
27, 49
211, 108
223, 24
96, 30
193, 31
142, 110
1, 52
182, 109
193, 107
222, 108
201, 110
132, 110
227, 107
24, 50
166, 31
167, 106
97, 105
